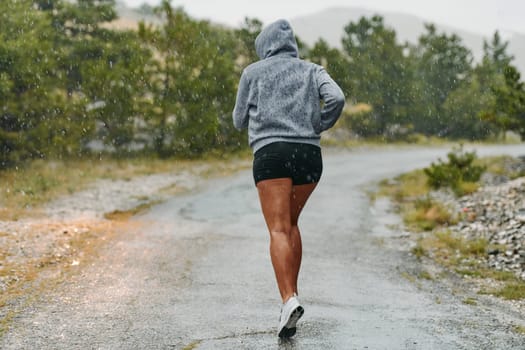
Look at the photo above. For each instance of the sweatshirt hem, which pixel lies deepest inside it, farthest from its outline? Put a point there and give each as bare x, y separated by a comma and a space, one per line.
256, 145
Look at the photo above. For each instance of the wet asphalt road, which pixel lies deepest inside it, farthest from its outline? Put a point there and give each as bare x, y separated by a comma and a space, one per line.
198, 276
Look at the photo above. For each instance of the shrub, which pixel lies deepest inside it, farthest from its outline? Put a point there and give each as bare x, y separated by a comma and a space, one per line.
459, 174
427, 215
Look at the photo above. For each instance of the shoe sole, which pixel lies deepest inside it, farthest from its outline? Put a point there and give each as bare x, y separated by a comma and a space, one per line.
289, 329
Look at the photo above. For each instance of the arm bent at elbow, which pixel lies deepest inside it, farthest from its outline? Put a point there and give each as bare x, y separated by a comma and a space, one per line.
240, 111
333, 97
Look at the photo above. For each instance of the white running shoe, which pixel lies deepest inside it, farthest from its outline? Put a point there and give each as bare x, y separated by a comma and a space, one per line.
291, 312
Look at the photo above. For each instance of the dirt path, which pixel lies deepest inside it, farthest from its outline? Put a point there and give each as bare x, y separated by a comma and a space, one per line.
194, 273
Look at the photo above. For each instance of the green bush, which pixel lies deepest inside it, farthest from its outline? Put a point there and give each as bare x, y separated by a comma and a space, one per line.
455, 174
364, 123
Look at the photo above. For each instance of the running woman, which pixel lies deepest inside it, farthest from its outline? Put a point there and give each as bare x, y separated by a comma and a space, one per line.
285, 102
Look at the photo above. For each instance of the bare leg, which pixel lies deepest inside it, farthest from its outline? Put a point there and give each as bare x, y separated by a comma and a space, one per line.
300, 195
297, 248
275, 197
281, 203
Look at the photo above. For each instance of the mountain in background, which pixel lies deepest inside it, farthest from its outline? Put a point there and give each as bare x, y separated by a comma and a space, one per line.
329, 25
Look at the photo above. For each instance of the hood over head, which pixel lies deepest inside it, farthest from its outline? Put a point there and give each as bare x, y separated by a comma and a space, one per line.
275, 39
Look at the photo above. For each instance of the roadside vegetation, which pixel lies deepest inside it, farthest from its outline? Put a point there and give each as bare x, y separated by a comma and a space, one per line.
27, 187
73, 85
429, 219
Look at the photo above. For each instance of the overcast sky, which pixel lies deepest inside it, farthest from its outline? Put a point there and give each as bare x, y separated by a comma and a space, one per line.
482, 16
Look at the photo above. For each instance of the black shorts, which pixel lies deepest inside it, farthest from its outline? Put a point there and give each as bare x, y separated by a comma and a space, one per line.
301, 162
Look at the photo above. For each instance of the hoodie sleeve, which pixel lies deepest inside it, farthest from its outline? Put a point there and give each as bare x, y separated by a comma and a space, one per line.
240, 112
333, 98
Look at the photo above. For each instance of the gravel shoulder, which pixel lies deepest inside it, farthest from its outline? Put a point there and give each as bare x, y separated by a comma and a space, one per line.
51, 245
491, 221
477, 256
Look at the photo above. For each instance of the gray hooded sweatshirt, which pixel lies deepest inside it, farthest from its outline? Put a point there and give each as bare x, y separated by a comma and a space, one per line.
279, 97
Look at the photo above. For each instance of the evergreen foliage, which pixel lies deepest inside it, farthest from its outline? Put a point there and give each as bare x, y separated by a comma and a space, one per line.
458, 170
71, 85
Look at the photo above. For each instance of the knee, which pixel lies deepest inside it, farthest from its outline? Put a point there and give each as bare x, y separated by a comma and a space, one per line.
281, 232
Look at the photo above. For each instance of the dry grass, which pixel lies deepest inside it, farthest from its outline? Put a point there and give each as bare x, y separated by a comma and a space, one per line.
500, 166
405, 187
426, 275
123, 215
410, 192
464, 188
470, 301
519, 329
424, 214
465, 257
193, 345
511, 291
25, 189
449, 249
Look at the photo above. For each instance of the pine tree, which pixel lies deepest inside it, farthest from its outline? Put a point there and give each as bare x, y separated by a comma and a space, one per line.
377, 69
193, 84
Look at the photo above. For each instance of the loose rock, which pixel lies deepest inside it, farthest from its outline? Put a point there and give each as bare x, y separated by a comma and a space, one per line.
496, 213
